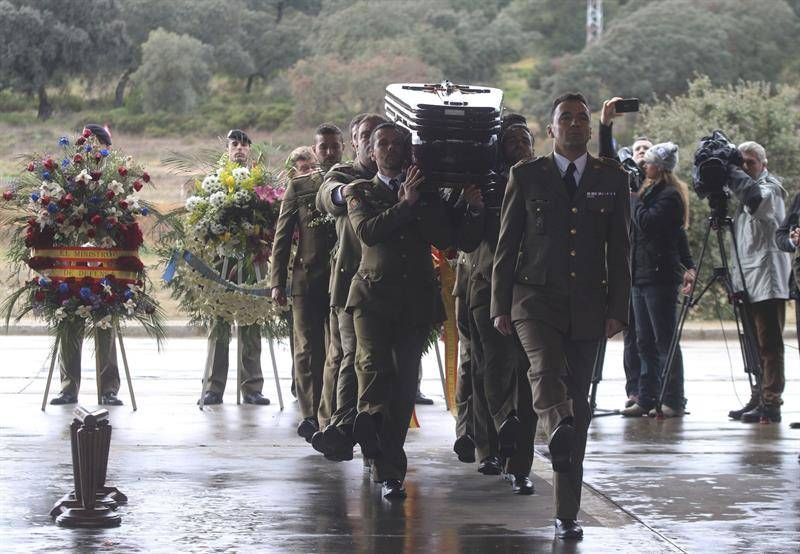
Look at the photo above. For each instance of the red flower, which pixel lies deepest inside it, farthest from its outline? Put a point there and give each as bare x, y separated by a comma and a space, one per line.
77, 221
122, 170
98, 156
77, 158
45, 200
8, 195
95, 175
146, 177
90, 233
60, 219
39, 296
80, 141
109, 194
137, 185
86, 133
67, 199
97, 219
123, 204
31, 167
49, 164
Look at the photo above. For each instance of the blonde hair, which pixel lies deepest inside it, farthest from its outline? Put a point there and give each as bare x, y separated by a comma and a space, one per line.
671, 180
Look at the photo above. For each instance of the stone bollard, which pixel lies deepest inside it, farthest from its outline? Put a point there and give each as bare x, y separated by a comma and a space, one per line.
92, 503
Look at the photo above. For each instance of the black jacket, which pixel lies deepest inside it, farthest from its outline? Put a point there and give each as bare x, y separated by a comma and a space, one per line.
660, 252
791, 220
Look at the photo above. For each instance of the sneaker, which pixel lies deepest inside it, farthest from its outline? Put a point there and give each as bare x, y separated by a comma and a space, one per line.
634, 411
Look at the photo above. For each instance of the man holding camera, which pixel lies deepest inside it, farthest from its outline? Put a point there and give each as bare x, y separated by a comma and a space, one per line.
766, 274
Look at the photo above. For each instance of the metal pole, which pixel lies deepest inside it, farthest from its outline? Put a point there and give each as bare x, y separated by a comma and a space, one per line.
50, 373
275, 371
441, 373
124, 363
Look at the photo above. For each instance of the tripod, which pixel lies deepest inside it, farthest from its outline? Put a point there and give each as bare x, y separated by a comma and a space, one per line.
718, 221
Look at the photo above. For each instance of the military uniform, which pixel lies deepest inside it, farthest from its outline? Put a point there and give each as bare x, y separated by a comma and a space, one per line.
340, 384
561, 269
500, 361
309, 292
395, 298
218, 351
105, 358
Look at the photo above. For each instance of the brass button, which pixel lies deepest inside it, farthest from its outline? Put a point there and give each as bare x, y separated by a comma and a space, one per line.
525, 277
574, 210
573, 231
572, 274
572, 253
602, 210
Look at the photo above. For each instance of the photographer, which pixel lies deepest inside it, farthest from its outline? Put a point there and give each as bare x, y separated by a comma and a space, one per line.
632, 158
659, 217
766, 273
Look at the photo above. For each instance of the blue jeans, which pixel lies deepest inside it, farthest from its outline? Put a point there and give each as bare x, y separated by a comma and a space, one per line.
655, 312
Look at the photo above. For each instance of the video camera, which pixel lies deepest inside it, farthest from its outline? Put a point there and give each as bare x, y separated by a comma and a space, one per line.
712, 159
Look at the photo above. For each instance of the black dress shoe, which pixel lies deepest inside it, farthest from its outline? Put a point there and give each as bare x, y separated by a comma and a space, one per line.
210, 398
521, 484
507, 436
336, 443
365, 433
64, 398
110, 399
561, 444
464, 447
393, 488
768, 414
318, 443
255, 398
490, 465
422, 399
568, 529
307, 428
751, 405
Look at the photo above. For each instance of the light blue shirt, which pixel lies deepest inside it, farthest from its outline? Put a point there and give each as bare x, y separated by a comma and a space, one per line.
580, 164
385, 180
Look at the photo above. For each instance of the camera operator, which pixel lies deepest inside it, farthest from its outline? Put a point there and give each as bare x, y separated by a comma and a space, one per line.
632, 158
659, 216
766, 273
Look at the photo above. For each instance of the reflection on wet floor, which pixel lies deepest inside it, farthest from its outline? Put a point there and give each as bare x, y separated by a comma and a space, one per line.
239, 479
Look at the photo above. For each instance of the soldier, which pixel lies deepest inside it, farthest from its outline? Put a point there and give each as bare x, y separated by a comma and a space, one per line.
310, 275
337, 440
250, 335
105, 349
394, 295
500, 361
562, 281
301, 161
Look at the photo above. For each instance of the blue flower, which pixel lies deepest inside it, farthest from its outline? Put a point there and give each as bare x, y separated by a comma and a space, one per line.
44, 281
52, 208
128, 294
87, 147
46, 176
145, 211
35, 196
85, 292
63, 141
105, 281
65, 163
104, 152
63, 288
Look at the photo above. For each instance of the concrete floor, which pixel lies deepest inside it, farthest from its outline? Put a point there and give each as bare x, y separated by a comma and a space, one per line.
233, 479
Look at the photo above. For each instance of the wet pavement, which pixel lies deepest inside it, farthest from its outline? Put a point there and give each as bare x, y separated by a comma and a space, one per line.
237, 478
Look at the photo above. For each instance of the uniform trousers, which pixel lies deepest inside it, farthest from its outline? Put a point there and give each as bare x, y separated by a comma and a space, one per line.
70, 359
346, 383
464, 411
219, 350
388, 353
310, 317
330, 372
560, 376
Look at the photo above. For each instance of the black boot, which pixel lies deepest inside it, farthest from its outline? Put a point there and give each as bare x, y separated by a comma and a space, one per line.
751, 404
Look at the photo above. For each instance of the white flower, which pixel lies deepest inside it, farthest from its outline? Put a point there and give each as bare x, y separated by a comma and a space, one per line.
113, 212
107, 242
80, 210
194, 202
130, 305
116, 187
133, 201
217, 228
43, 219
84, 311
60, 314
217, 199
136, 289
83, 177
241, 197
94, 185
211, 184
240, 174
104, 323
247, 226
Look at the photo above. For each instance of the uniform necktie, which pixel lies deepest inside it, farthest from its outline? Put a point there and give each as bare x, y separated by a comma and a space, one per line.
394, 184
569, 179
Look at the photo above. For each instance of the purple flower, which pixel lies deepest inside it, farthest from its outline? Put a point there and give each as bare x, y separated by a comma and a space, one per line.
85, 292
65, 163
35, 196
145, 211
128, 294
104, 152
63, 288
52, 208
87, 147
63, 141
44, 281
46, 176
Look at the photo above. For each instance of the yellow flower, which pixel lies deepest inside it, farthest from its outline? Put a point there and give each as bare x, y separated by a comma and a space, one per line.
226, 237
230, 181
